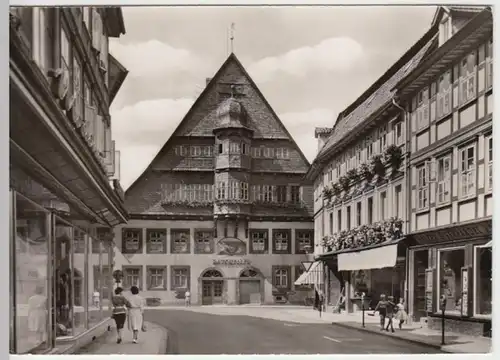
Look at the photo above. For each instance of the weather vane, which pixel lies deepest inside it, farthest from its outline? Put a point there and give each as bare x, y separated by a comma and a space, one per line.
232, 37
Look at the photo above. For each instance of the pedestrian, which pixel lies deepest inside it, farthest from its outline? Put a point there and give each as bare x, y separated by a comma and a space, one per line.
120, 305
135, 313
390, 313
381, 308
401, 314
187, 296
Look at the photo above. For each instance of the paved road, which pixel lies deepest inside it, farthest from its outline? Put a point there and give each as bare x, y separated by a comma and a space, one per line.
201, 333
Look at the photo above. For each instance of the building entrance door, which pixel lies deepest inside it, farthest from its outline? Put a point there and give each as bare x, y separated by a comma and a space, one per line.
250, 287
212, 287
212, 292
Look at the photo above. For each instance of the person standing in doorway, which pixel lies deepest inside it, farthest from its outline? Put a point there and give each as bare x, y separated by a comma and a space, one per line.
120, 305
382, 311
135, 313
188, 298
390, 313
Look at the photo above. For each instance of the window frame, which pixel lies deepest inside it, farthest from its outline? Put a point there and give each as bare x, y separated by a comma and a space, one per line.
125, 268
300, 235
265, 238
422, 187
445, 182
287, 276
149, 232
471, 171
475, 272
173, 232
438, 273
489, 162
149, 269
467, 78
444, 94
125, 249
173, 270
422, 109
201, 249
282, 240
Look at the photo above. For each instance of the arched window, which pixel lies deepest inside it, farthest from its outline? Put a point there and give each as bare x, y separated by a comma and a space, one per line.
249, 273
211, 274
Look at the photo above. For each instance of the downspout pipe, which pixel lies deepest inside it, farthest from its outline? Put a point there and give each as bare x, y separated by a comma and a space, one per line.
407, 211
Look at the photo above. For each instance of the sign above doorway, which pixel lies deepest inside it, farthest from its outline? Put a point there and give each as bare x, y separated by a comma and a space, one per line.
231, 262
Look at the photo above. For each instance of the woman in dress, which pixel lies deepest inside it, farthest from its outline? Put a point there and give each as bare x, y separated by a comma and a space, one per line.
135, 320
401, 313
120, 305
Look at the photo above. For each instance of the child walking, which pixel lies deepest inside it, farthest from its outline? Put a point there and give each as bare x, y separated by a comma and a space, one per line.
401, 313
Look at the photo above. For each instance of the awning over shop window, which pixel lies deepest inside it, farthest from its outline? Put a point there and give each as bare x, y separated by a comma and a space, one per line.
314, 276
378, 258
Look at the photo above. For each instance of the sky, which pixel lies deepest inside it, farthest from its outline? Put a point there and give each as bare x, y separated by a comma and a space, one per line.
309, 62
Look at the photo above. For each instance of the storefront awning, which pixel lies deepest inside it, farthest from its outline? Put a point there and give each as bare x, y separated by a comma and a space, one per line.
313, 276
377, 258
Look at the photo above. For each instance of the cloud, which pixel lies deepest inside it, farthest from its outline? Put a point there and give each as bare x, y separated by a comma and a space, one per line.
333, 54
141, 129
154, 58
301, 126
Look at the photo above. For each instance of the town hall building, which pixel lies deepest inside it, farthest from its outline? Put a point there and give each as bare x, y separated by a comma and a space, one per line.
222, 210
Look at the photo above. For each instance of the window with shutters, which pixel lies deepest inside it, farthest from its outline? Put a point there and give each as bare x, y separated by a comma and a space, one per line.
422, 109
422, 187
444, 95
467, 82
468, 171
489, 154
443, 180
489, 64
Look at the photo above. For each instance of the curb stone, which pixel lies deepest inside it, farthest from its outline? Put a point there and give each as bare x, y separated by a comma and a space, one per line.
414, 341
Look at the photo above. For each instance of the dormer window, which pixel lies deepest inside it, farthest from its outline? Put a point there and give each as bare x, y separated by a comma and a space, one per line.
445, 30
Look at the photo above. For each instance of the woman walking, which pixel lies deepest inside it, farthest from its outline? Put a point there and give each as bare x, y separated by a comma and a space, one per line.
120, 305
401, 313
135, 319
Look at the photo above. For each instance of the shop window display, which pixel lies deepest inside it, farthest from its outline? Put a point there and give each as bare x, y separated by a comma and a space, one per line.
31, 259
484, 289
451, 262
79, 282
95, 314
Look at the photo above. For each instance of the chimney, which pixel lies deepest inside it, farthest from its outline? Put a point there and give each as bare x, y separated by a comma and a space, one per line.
322, 134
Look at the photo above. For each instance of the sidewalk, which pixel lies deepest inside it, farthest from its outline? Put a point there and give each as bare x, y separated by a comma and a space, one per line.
152, 342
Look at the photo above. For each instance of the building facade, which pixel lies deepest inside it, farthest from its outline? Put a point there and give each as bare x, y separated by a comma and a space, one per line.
222, 211
65, 195
449, 106
360, 185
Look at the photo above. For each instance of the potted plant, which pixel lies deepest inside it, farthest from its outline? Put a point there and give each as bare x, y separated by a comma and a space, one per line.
345, 183
327, 193
378, 166
366, 172
393, 156
353, 175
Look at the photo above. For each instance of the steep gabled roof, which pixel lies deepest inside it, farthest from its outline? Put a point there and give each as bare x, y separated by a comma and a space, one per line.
379, 94
232, 59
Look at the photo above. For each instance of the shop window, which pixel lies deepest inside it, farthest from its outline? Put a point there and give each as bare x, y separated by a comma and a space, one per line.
422, 187
259, 240
132, 241
179, 239
180, 277
156, 241
451, 262
132, 276
468, 171
204, 241
281, 277
29, 276
281, 241
361, 282
443, 180
303, 241
483, 280
157, 277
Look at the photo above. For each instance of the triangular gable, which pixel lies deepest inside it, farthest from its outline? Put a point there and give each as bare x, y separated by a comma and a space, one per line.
200, 118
